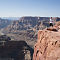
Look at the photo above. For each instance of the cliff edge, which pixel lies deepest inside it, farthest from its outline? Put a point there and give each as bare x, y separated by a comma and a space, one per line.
48, 44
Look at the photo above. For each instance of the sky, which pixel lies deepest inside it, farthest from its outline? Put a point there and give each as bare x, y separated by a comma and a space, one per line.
18, 8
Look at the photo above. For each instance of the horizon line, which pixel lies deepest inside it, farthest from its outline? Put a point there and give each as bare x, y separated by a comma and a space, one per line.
27, 16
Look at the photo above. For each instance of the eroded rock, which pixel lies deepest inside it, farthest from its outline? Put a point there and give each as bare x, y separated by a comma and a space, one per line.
15, 50
48, 45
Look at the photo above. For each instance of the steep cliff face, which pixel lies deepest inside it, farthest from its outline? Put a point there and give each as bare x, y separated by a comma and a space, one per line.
15, 50
48, 44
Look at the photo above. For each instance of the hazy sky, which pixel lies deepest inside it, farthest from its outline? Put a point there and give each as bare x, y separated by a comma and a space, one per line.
17, 8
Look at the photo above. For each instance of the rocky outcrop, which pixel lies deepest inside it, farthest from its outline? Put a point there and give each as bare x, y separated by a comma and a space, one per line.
48, 44
15, 50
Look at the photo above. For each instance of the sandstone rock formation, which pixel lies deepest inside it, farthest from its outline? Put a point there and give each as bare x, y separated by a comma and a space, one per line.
48, 44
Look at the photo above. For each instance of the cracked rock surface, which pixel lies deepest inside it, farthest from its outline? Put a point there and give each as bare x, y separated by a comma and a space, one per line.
48, 44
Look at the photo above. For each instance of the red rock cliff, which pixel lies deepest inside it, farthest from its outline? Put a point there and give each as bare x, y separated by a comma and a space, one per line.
48, 44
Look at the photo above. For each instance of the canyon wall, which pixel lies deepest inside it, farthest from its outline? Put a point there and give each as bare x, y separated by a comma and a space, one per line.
15, 50
48, 44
